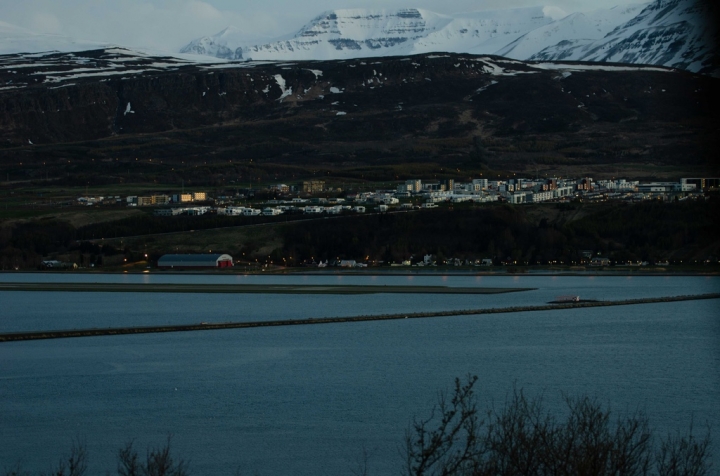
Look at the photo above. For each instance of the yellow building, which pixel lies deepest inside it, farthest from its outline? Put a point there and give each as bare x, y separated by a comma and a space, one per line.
313, 186
153, 200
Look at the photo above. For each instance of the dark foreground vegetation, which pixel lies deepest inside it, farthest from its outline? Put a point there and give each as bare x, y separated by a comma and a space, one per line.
459, 439
524, 438
158, 461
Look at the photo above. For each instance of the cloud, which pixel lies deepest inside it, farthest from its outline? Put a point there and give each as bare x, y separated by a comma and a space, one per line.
45, 22
155, 24
202, 10
555, 13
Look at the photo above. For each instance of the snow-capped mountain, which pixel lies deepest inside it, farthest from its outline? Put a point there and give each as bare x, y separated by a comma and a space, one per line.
577, 26
676, 33
221, 45
342, 34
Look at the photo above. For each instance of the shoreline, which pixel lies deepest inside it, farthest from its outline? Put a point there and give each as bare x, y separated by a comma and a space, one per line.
252, 288
236, 271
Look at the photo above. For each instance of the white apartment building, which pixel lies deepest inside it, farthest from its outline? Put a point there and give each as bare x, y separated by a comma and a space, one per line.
271, 212
483, 183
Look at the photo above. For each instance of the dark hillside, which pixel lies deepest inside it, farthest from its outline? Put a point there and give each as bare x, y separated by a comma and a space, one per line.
468, 114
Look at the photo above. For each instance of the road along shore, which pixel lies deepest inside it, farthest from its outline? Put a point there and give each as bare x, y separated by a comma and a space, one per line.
203, 326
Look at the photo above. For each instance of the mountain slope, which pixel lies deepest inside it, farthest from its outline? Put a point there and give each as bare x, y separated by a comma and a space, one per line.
677, 33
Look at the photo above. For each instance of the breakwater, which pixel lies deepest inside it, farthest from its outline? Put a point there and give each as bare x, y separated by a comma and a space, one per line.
203, 326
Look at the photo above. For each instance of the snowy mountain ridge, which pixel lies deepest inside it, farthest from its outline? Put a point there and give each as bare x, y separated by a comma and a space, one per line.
353, 33
675, 33
576, 26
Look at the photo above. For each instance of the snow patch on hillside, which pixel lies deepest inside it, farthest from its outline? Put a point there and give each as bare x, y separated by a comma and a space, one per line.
281, 82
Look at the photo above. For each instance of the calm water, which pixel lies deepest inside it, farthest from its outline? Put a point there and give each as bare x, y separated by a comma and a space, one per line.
308, 399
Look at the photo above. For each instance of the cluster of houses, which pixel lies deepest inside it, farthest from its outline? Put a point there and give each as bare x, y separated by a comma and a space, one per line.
147, 200
314, 206
431, 260
487, 190
91, 201
523, 190
417, 193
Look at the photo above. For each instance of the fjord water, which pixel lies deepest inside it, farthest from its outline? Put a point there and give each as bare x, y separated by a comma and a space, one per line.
309, 399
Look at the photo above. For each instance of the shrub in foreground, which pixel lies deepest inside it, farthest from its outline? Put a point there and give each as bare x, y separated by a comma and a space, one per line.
524, 438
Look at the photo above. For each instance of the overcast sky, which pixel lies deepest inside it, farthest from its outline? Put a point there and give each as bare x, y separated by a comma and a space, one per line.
170, 24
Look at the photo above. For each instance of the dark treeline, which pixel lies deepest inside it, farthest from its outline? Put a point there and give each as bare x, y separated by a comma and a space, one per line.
522, 235
148, 224
25, 244
646, 231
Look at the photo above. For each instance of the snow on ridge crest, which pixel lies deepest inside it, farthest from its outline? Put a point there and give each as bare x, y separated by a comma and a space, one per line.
353, 33
620, 34
672, 33
360, 24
